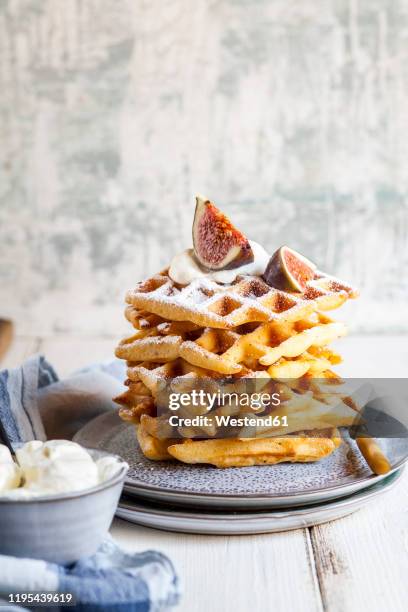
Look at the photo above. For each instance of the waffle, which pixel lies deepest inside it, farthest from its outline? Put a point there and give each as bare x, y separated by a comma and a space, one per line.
307, 403
224, 453
207, 332
248, 299
231, 351
242, 453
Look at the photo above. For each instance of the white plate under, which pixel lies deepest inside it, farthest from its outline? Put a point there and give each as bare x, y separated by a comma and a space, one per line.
268, 486
242, 523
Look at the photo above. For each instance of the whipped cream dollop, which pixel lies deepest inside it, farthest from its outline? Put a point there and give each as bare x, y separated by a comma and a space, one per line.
10, 473
184, 267
52, 467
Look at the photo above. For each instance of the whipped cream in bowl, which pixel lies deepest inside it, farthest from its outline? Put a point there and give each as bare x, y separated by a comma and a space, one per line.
53, 468
58, 503
184, 267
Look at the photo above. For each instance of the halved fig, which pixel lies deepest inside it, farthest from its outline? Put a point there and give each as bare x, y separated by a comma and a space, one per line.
218, 245
289, 270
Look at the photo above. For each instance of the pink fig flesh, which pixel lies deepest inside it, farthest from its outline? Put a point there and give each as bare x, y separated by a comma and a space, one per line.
218, 245
288, 270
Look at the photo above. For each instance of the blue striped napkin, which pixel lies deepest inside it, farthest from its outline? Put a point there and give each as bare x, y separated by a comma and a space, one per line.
109, 580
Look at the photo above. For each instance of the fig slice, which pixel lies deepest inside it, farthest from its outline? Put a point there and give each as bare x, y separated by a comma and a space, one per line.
218, 245
289, 270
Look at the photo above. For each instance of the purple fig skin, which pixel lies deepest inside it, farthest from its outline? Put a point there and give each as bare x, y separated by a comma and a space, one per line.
245, 257
218, 245
274, 274
277, 275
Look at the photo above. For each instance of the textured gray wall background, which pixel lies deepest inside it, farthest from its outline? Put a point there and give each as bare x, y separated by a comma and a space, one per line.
293, 116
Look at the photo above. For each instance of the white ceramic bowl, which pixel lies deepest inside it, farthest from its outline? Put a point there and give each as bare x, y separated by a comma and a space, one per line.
60, 528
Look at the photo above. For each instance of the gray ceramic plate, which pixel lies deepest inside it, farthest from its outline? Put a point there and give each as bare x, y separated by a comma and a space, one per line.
282, 485
241, 523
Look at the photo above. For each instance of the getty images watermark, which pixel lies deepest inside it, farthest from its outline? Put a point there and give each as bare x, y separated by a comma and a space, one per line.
204, 407
201, 399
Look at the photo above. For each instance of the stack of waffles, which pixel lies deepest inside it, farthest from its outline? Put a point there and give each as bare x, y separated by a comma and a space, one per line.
245, 329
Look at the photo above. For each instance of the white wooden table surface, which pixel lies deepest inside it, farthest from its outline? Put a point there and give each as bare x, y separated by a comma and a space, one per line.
354, 564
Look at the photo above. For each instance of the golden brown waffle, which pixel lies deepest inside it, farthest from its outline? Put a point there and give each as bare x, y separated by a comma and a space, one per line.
248, 299
235, 351
209, 331
306, 402
141, 319
225, 453
133, 405
240, 453
243, 450
305, 405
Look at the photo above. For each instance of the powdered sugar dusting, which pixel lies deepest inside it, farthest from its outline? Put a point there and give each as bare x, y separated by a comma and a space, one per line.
247, 299
159, 340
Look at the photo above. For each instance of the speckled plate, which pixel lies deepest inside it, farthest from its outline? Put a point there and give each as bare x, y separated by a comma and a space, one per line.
282, 485
242, 523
